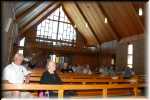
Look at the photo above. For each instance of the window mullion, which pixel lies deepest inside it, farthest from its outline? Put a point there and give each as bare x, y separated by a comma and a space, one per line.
58, 25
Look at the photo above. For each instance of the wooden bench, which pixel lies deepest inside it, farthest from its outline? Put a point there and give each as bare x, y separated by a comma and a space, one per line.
61, 88
90, 80
83, 76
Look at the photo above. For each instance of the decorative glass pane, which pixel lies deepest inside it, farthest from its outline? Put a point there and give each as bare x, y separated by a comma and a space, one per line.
20, 51
130, 49
130, 66
130, 59
55, 26
22, 42
52, 28
53, 36
55, 17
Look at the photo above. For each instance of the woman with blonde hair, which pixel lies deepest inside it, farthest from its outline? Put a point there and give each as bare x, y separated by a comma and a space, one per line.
50, 77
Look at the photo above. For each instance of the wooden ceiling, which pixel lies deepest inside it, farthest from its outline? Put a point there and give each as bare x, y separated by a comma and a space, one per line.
123, 18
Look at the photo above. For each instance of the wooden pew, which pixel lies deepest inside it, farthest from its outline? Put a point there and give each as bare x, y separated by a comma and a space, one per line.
74, 75
62, 88
84, 81
83, 76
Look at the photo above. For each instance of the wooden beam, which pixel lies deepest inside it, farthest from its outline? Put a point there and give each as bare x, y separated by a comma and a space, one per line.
72, 22
54, 40
40, 17
23, 7
59, 49
25, 12
116, 35
81, 12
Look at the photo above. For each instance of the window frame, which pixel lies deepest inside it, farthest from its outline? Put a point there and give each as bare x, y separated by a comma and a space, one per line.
69, 32
130, 55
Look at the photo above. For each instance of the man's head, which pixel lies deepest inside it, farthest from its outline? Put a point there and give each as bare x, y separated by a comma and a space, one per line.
51, 66
18, 58
65, 65
87, 66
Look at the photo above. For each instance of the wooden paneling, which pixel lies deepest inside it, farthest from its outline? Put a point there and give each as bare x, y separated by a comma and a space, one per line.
138, 53
123, 18
96, 20
89, 25
79, 21
142, 5
92, 60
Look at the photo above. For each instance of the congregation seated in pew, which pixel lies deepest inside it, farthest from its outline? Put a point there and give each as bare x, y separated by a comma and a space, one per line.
51, 77
128, 72
15, 73
66, 68
87, 70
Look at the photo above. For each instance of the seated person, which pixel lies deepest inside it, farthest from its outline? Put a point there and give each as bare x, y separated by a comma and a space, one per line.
79, 69
101, 70
74, 67
66, 68
104, 70
15, 73
127, 73
51, 77
111, 71
87, 70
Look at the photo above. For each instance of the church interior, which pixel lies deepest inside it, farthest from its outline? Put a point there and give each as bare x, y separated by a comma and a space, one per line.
98, 48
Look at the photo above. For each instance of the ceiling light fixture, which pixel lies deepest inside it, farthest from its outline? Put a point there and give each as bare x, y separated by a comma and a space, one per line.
86, 25
105, 20
140, 12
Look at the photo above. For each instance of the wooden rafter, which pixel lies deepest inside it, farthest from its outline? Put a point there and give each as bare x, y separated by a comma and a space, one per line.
81, 12
72, 22
46, 46
40, 17
28, 10
23, 6
116, 35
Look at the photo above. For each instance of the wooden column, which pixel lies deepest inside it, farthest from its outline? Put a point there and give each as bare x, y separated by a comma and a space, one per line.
104, 92
135, 89
60, 94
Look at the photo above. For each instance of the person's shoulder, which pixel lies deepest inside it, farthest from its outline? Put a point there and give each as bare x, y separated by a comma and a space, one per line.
45, 72
8, 66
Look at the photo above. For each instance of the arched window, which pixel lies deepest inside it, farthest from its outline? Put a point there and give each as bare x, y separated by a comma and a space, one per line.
56, 29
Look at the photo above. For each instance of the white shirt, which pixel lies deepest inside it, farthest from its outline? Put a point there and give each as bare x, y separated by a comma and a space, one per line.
14, 73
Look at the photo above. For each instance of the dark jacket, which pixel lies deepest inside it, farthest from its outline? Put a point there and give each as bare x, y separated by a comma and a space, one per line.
48, 78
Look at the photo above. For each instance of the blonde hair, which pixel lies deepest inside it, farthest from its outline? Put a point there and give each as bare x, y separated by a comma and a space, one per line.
18, 55
49, 61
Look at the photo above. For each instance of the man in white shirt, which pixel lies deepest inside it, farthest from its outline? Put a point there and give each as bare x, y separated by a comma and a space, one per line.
15, 73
